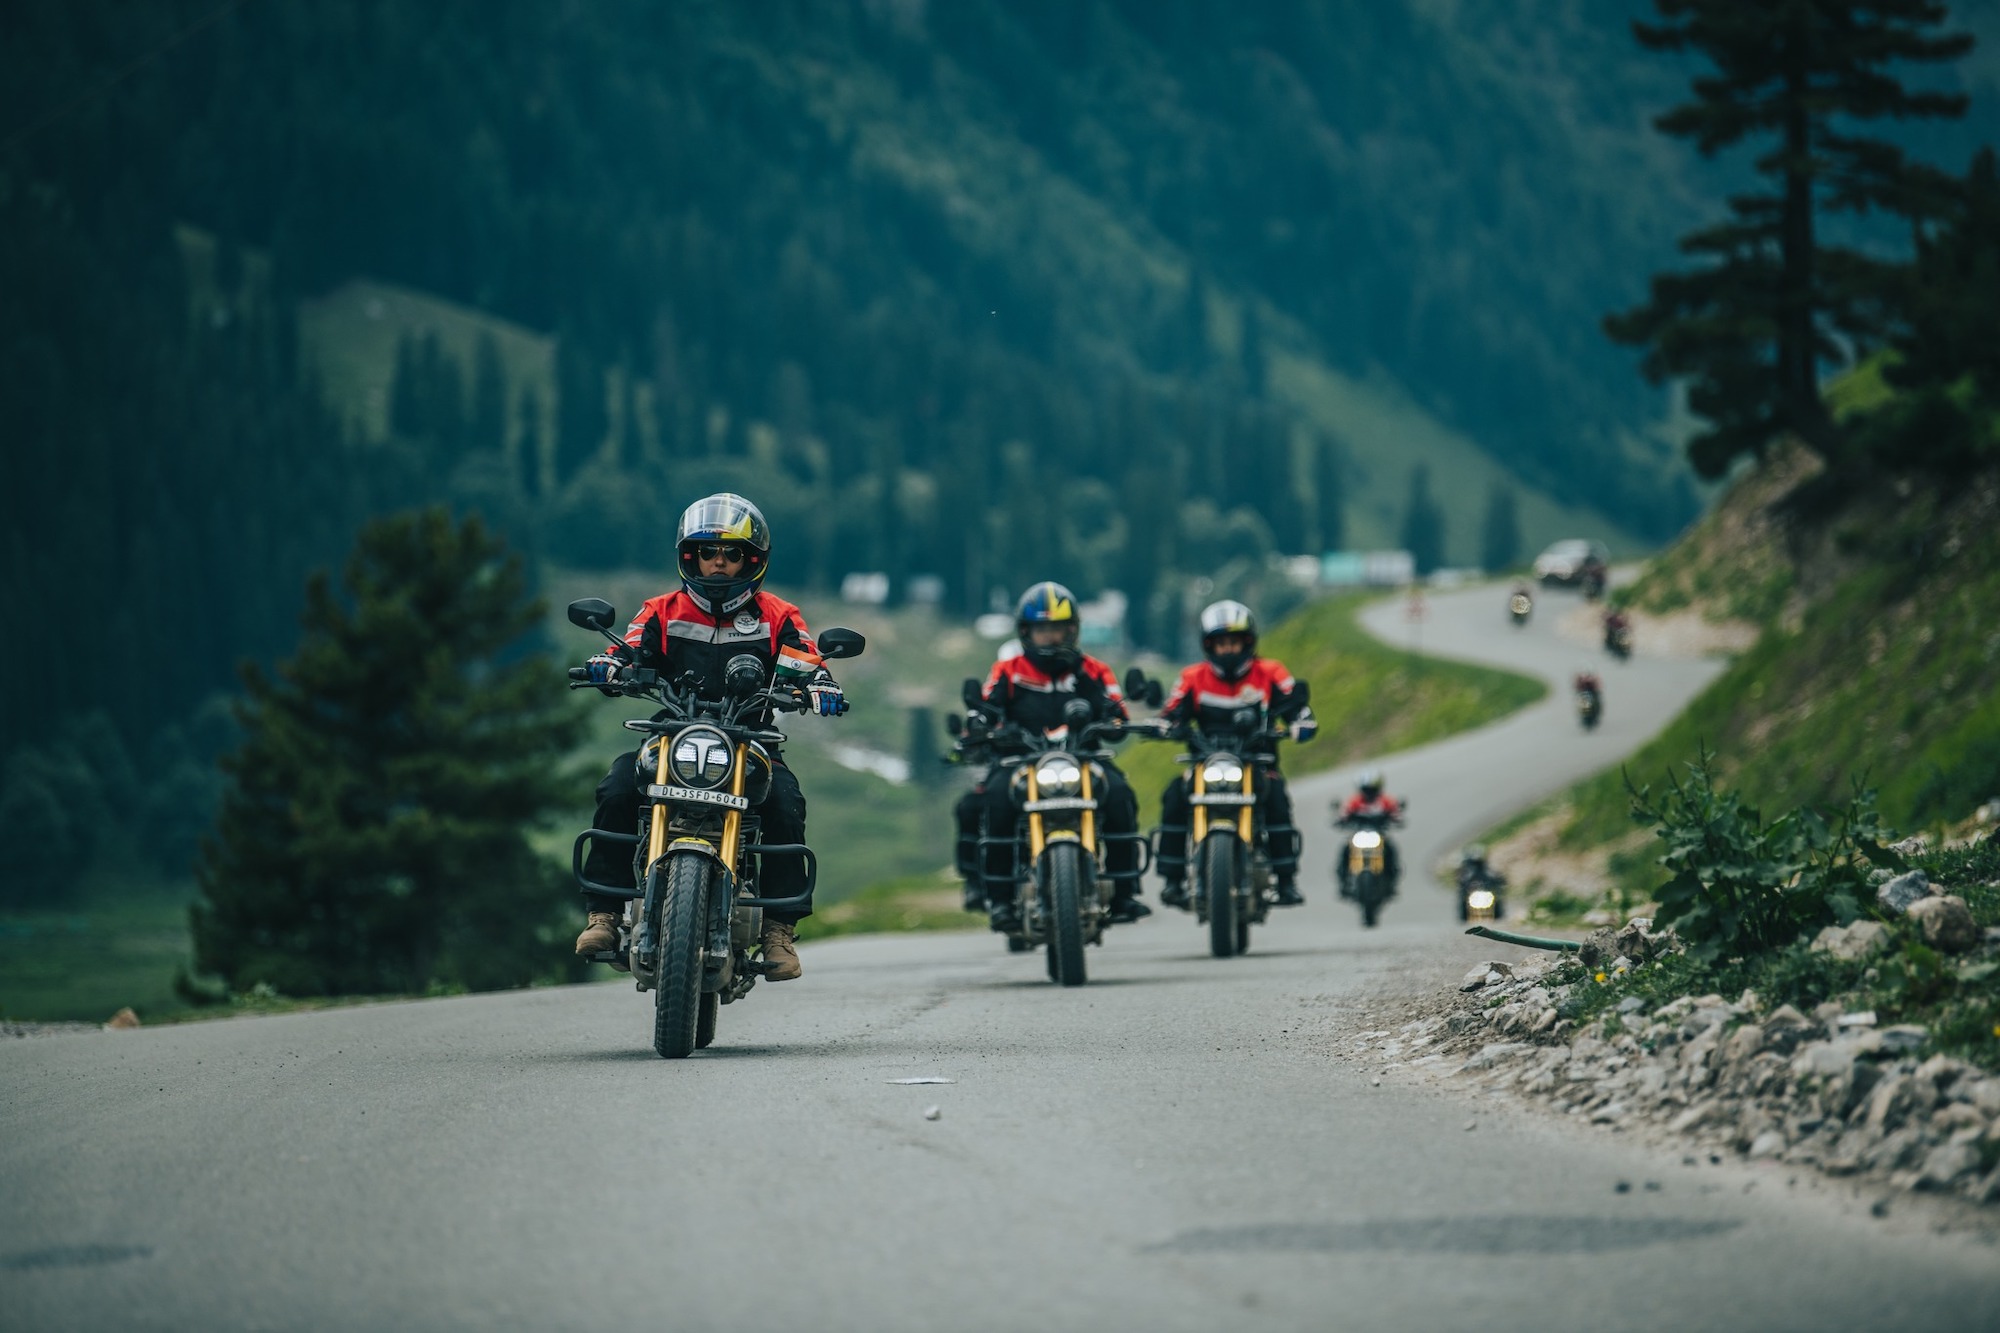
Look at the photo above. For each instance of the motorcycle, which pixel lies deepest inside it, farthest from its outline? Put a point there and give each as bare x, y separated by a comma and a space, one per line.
1589, 706
689, 930
1061, 890
1479, 889
1227, 837
1520, 606
1618, 639
1363, 869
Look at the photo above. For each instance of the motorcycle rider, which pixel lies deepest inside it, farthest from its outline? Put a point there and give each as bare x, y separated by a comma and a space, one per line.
1371, 805
1616, 624
1474, 874
1030, 689
1213, 694
720, 611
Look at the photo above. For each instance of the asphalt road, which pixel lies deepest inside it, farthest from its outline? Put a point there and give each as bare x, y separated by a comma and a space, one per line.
1169, 1148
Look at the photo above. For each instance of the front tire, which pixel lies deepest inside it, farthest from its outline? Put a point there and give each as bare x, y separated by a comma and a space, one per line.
677, 1001
1064, 863
704, 1023
1218, 883
1367, 890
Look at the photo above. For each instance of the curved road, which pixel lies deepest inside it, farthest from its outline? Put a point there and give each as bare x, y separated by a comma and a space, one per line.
1170, 1148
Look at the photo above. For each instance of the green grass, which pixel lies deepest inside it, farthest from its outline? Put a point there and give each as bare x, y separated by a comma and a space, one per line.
929, 901
119, 945
1371, 699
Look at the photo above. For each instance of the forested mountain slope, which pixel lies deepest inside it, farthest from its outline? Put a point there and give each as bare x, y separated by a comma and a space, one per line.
1126, 291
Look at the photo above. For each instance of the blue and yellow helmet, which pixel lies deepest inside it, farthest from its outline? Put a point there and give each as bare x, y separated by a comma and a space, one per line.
1050, 603
723, 520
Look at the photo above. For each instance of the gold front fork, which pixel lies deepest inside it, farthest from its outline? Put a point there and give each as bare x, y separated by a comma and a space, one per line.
1243, 820
1089, 816
656, 846
1034, 821
1199, 825
732, 823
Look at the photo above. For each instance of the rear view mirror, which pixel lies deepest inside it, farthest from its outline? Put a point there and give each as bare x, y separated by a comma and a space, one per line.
593, 613
954, 724
839, 643
1139, 688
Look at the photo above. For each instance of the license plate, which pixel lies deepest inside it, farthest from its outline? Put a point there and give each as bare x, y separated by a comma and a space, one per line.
1059, 803
696, 796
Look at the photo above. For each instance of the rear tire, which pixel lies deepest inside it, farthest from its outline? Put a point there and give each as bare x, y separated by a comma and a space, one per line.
1065, 872
1218, 884
683, 927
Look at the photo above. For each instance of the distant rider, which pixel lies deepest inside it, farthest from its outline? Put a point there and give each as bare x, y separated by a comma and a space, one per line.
1372, 806
1474, 874
1029, 690
724, 549
1229, 693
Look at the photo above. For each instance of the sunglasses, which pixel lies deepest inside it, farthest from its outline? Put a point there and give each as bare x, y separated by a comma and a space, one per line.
730, 551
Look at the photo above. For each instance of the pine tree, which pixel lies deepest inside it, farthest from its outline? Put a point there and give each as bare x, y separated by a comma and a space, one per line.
1770, 304
1327, 495
1500, 536
1423, 522
374, 833
487, 427
1947, 344
528, 442
1250, 351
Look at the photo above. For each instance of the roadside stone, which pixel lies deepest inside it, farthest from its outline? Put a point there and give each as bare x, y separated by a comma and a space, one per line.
1784, 1028
1983, 1093
1904, 1038
1947, 1165
121, 1021
1494, 1053
1486, 974
1852, 943
1946, 923
1899, 893
1768, 1144
1598, 949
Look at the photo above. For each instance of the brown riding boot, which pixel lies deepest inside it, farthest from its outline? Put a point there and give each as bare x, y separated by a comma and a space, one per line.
600, 935
779, 953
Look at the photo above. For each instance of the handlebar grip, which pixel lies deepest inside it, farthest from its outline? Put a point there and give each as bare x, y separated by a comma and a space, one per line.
579, 673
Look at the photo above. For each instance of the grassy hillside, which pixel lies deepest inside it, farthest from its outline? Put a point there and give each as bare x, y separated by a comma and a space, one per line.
1878, 664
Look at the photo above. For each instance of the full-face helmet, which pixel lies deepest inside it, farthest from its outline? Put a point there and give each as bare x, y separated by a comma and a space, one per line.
1043, 606
728, 525
1219, 619
1370, 783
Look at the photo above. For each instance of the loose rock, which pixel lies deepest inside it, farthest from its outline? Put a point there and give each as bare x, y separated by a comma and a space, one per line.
1899, 893
1946, 923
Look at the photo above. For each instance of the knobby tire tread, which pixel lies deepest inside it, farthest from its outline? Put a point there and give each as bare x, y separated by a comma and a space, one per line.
1065, 870
683, 928
1218, 881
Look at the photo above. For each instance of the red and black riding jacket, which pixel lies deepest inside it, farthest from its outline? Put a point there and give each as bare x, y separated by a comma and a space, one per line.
1033, 699
672, 634
1203, 697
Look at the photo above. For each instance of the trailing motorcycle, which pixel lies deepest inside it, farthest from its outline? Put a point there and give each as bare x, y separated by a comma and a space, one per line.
1479, 889
1062, 892
1227, 836
1589, 702
1368, 868
1618, 637
690, 929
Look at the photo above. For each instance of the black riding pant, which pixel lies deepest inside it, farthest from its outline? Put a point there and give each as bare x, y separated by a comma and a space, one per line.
1274, 803
782, 817
1117, 812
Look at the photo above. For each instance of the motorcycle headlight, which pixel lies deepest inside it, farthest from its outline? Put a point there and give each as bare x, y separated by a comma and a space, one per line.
701, 757
1367, 840
1222, 771
1479, 900
1058, 775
